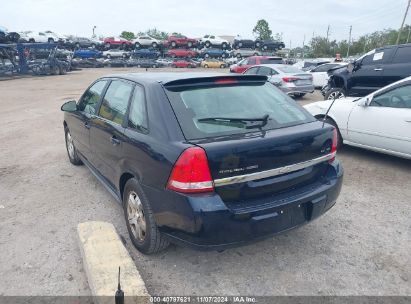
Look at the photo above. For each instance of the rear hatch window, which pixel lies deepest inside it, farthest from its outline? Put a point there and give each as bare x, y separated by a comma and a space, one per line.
233, 108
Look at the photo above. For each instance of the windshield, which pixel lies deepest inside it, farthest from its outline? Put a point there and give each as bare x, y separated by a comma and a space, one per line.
199, 109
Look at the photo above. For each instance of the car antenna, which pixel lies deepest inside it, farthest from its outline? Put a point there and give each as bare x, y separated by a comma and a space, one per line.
119, 297
328, 110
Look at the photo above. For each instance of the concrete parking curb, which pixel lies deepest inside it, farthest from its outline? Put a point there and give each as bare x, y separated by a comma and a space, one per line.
103, 252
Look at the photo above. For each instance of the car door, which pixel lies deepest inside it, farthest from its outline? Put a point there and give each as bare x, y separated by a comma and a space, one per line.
367, 75
385, 123
399, 66
79, 124
107, 130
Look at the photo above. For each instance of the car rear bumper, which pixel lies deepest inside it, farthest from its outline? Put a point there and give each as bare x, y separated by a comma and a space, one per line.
205, 222
298, 89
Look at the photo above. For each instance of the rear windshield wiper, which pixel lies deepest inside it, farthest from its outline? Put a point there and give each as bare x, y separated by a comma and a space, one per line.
229, 120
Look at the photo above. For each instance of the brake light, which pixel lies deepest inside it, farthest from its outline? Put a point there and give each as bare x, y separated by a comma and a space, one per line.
334, 145
225, 81
290, 78
191, 173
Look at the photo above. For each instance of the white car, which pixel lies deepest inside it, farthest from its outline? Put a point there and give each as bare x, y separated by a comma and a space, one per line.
31, 36
320, 73
380, 121
146, 41
115, 53
211, 40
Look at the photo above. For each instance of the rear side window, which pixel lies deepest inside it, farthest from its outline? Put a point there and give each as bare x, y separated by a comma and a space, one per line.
251, 61
265, 71
403, 55
138, 117
199, 109
271, 61
115, 102
91, 97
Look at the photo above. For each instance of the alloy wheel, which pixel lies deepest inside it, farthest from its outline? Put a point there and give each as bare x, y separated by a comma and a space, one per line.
70, 145
136, 217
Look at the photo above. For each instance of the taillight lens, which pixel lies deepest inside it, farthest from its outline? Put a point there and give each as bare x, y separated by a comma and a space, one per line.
334, 145
290, 79
191, 173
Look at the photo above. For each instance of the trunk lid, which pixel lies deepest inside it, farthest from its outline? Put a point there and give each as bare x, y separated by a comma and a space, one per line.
274, 153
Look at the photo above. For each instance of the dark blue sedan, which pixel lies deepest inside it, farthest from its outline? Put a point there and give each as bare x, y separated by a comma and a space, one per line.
87, 54
206, 160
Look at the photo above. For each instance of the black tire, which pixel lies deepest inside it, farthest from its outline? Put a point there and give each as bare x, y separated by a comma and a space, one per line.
138, 65
55, 70
77, 45
108, 56
93, 45
206, 66
339, 137
50, 40
154, 66
108, 45
207, 44
257, 44
206, 55
239, 56
137, 45
334, 93
189, 44
173, 44
72, 155
154, 45
222, 66
32, 40
224, 45
62, 71
152, 240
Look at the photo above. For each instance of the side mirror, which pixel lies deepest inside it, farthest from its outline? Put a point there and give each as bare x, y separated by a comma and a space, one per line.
364, 102
350, 67
69, 106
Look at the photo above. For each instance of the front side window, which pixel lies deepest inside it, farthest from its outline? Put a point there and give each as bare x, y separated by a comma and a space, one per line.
265, 71
91, 97
138, 116
206, 112
396, 98
115, 102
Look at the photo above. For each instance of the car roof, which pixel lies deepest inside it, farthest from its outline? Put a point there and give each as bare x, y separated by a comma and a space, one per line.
151, 78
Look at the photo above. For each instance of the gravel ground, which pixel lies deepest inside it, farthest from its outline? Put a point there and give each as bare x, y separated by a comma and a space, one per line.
360, 247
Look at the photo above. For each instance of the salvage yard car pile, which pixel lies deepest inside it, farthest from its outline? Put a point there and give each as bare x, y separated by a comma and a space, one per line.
143, 51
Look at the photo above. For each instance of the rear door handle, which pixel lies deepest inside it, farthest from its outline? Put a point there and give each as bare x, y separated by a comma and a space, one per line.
377, 70
114, 140
86, 125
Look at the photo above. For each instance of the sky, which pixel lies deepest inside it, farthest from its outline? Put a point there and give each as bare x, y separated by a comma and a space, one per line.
195, 18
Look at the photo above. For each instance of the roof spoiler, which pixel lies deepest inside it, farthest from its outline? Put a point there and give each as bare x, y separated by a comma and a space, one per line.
215, 80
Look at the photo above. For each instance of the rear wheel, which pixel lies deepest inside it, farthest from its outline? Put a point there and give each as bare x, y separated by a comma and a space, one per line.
137, 45
51, 40
206, 66
107, 45
224, 45
154, 45
207, 44
189, 44
173, 44
71, 149
140, 221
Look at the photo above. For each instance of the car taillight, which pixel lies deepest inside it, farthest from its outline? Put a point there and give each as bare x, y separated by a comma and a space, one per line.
334, 145
191, 173
290, 78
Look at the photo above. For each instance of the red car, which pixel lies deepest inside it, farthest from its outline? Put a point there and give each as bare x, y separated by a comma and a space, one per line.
183, 64
244, 64
174, 41
182, 53
109, 41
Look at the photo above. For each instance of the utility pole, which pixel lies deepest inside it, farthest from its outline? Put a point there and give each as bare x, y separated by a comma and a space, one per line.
328, 31
349, 42
94, 35
409, 32
289, 53
303, 46
403, 21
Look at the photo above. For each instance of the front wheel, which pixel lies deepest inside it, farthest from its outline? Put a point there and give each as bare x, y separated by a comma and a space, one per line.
71, 149
140, 221
334, 93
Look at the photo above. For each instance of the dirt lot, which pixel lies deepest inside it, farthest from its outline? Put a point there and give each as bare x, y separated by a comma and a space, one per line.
361, 247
